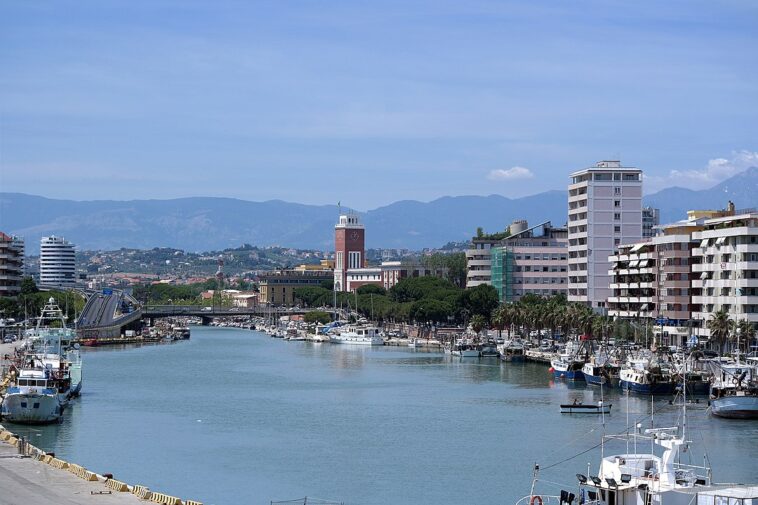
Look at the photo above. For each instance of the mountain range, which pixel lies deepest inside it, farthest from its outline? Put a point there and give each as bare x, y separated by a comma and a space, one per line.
205, 224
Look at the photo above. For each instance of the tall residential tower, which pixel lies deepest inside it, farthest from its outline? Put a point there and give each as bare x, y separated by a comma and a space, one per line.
605, 211
57, 262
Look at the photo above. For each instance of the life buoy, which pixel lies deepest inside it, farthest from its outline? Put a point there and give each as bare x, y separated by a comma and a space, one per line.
536, 500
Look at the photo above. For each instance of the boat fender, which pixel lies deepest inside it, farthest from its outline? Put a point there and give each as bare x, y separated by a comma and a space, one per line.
551, 370
536, 500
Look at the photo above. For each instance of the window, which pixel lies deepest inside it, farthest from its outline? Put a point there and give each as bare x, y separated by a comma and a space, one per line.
616, 229
616, 241
617, 191
617, 203
617, 216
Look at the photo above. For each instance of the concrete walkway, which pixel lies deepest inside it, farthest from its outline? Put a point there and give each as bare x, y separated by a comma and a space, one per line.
26, 481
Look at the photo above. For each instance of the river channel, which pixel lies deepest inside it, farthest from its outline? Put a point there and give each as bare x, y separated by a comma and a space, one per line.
234, 416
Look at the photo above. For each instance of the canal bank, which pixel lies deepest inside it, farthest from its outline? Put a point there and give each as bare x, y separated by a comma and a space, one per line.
234, 415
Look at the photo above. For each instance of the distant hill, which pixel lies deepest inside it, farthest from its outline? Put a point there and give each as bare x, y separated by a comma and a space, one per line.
204, 224
742, 189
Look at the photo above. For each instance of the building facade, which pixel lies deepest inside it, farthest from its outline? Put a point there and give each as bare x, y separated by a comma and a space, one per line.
605, 211
530, 262
278, 287
725, 268
11, 265
57, 262
479, 262
349, 248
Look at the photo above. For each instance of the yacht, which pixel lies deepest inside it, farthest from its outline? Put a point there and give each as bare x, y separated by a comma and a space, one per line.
734, 391
357, 335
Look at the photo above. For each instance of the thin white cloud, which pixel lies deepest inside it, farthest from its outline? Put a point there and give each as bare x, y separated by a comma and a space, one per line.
716, 170
511, 174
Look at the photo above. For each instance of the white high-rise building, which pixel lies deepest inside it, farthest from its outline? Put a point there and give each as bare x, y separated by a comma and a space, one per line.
605, 211
57, 262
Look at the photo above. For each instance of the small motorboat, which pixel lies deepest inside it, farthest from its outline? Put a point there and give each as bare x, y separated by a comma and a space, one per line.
584, 408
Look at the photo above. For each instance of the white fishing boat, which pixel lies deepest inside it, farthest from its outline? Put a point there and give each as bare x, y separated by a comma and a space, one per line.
52, 342
39, 396
356, 335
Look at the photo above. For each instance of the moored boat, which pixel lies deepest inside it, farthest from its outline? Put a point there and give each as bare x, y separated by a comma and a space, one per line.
357, 335
734, 392
586, 408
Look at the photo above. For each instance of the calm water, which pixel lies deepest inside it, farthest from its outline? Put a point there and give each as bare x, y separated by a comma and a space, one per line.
233, 416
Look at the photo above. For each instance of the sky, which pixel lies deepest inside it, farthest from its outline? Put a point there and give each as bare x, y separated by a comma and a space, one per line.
370, 102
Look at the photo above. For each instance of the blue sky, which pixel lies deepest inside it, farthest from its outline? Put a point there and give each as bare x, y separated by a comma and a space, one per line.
370, 102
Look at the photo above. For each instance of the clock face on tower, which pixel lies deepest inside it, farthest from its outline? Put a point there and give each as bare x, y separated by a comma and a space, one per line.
354, 235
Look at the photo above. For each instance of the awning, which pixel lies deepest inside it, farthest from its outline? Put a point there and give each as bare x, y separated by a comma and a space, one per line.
704, 243
643, 263
720, 240
636, 247
704, 275
644, 306
633, 264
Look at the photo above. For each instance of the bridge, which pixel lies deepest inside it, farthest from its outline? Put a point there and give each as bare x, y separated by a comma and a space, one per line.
208, 313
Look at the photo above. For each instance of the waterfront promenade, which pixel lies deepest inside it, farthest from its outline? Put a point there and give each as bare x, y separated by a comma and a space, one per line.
27, 481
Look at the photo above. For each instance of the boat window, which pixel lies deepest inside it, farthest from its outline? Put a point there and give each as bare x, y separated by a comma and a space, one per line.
36, 405
23, 405
22, 382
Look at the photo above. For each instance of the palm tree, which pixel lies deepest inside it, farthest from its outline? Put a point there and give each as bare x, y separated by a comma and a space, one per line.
746, 331
719, 326
478, 322
498, 319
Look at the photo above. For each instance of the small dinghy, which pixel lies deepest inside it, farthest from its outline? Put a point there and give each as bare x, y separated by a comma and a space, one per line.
582, 408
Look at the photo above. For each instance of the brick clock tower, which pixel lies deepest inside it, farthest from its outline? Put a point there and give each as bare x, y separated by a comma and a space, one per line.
349, 248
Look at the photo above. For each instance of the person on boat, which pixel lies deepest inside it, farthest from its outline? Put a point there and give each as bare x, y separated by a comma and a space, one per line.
576, 401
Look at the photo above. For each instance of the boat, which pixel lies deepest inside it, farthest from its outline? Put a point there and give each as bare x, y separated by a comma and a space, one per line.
734, 391
488, 350
568, 365
565, 367
356, 335
39, 395
601, 374
464, 350
53, 342
646, 375
48, 375
586, 408
512, 351
656, 477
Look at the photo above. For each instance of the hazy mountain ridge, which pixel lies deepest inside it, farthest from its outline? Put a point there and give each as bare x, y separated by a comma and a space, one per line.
207, 223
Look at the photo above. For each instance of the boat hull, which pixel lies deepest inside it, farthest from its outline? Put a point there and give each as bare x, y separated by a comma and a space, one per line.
585, 409
357, 340
659, 388
32, 409
735, 407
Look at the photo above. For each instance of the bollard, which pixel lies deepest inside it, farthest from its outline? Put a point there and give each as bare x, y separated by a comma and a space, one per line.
22, 446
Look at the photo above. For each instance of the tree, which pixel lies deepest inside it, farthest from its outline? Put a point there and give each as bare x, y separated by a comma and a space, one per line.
478, 323
745, 332
720, 327
481, 300
28, 286
371, 289
317, 316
